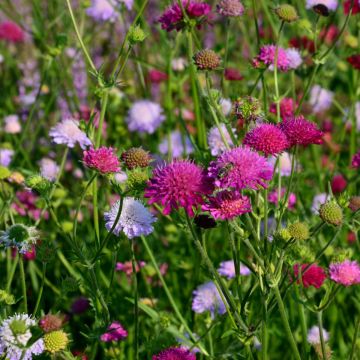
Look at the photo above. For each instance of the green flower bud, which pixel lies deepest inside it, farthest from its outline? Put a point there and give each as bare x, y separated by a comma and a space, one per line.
331, 213
286, 13
136, 35
299, 231
39, 184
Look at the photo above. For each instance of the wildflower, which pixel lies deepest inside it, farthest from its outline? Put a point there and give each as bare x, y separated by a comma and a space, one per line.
178, 184
55, 341
39, 185
215, 140
331, 213
267, 57
299, 231
322, 6
320, 98
80, 305
303, 43
226, 205
14, 335
311, 275
240, 168
27, 205
49, 169
273, 197
346, 273
135, 220
232, 74
286, 13
267, 138
230, 8
318, 200
178, 64
145, 116
294, 58
300, 131
207, 298
338, 184
102, 10
354, 61
356, 160
207, 60
11, 32
103, 160
67, 132
50, 323
354, 204
313, 336
6, 156
287, 108
173, 17
175, 353
157, 76
126, 267
138, 35
285, 163
227, 268
355, 9
225, 105
12, 124
20, 236
115, 332
180, 145
248, 109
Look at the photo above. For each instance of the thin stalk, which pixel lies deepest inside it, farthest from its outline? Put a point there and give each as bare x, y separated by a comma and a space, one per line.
23, 284
40, 290
322, 341
353, 345
12, 273
302, 322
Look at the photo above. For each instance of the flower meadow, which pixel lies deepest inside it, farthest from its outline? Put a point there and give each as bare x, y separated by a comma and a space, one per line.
179, 179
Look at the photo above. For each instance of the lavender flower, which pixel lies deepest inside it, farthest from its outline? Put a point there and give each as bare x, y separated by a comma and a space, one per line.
179, 146
6, 156
294, 58
318, 200
49, 169
12, 124
227, 268
102, 10
320, 98
313, 336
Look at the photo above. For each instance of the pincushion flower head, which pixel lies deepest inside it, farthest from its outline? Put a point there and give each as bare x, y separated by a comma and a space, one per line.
49, 169
226, 205
320, 98
115, 332
215, 140
354, 61
175, 353
173, 17
103, 160
313, 336
11, 32
311, 275
267, 139
267, 57
12, 124
207, 298
227, 268
180, 145
20, 236
300, 131
240, 168
287, 108
355, 162
145, 116
180, 184
135, 219
230, 8
294, 58
347, 7
14, 336
346, 273
102, 10
67, 132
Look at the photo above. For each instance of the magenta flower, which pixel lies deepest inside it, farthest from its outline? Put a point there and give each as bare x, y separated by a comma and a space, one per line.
267, 57
356, 160
115, 332
178, 184
346, 273
287, 108
175, 353
226, 205
312, 275
300, 131
173, 17
126, 267
273, 197
11, 32
240, 168
268, 139
103, 160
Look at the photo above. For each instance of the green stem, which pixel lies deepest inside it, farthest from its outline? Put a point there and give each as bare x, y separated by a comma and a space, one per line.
23, 284
322, 341
40, 290
353, 345
301, 312
12, 273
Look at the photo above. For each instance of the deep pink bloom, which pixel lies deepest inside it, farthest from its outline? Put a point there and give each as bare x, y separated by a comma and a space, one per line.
103, 160
232, 74
300, 131
346, 273
356, 160
354, 60
287, 108
226, 205
80, 305
268, 139
157, 76
273, 197
267, 56
355, 9
126, 267
27, 205
178, 184
338, 184
11, 32
175, 353
240, 168
313, 276
173, 18
115, 332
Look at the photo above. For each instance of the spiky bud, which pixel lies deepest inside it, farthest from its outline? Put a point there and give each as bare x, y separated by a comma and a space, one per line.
299, 231
331, 213
284, 234
286, 13
39, 184
136, 157
354, 204
137, 180
18, 327
248, 109
55, 341
207, 59
231, 8
136, 35
4, 172
6, 298
50, 323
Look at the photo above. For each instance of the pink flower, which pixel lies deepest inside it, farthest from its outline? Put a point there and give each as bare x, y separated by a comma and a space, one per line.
346, 273
157, 76
126, 267
313, 276
273, 197
267, 56
268, 139
178, 184
232, 74
300, 131
338, 184
175, 353
356, 160
11, 32
226, 205
26, 205
240, 168
287, 108
103, 160
115, 332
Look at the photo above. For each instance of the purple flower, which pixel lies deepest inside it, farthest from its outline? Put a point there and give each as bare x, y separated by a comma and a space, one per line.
267, 56
318, 200
227, 268
102, 10
179, 146
294, 58
175, 353
12, 124
313, 336
356, 160
320, 98
215, 140
115, 332
346, 273
49, 169
6, 156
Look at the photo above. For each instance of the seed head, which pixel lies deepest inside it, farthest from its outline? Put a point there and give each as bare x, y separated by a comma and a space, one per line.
207, 60
55, 341
331, 213
299, 231
286, 13
136, 157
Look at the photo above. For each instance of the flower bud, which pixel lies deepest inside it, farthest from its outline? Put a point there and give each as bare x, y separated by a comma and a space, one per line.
331, 213
136, 35
136, 157
207, 60
39, 184
299, 231
55, 341
286, 13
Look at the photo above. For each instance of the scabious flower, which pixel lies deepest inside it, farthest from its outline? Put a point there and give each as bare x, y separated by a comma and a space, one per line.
313, 336
175, 353
215, 140
145, 116
67, 132
267, 57
356, 160
320, 98
354, 61
80, 305
346, 273
318, 200
56, 341
20, 236
312, 275
285, 163
207, 298
273, 197
294, 58
300, 131
115, 332
180, 145
338, 184
329, 4
102, 10
355, 9
173, 18
12, 124
232, 74
226, 205
135, 220
267, 138
287, 108
226, 106
11, 32
230, 8
26, 205
227, 268
49, 169
14, 336
103, 160
126, 267
207, 59
178, 184
6, 156
240, 168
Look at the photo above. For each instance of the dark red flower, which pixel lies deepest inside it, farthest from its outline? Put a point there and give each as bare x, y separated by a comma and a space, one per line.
287, 108
355, 9
157, 76
329, 35
302, 43
312, 275
354, 60
338, 184
232, 74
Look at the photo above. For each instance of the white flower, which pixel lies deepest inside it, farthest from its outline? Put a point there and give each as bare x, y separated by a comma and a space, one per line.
215, 140
67, 132
226, 106
135, 219
120, 177
294, 58
12, 124
317, 201
178, 64
320, 98
49, 169
177, 145
313, 336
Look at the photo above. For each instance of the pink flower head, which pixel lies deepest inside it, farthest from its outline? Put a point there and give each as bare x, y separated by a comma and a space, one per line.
273, 197
312, 275
287, 108
240, 168
267, 57
157, 76
178, 184
232, 74
126, 267
11, 32
338, 184
268, 139
346, 273
115, 332
226, 205
355, 9
173, 17
356, 160
103, 160
175, 353
27, 205
300, 131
